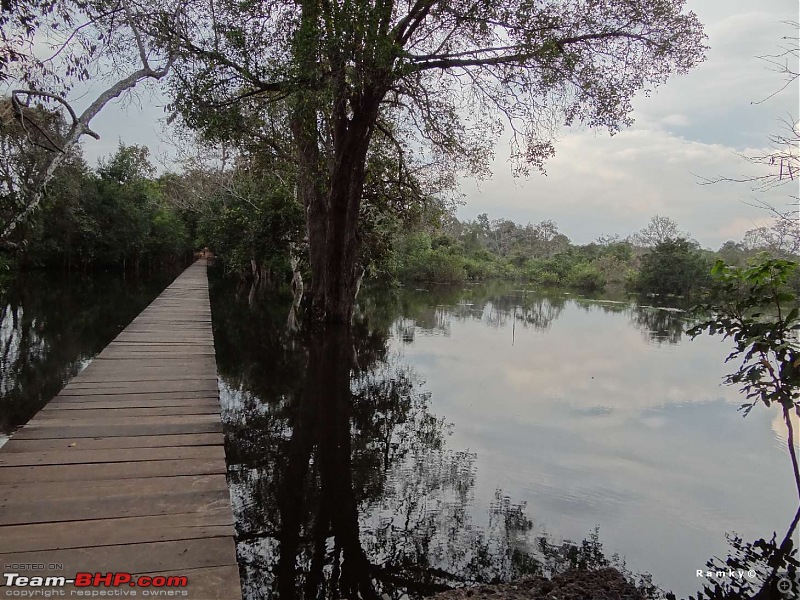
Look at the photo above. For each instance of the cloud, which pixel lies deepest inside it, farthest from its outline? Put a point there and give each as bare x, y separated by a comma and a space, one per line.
696, 126
599, 185
721, 96
676, 120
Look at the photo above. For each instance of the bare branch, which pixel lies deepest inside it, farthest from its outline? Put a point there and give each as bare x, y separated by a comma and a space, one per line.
80, 124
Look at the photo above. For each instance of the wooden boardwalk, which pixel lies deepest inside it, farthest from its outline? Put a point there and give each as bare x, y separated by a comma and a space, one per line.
124, 471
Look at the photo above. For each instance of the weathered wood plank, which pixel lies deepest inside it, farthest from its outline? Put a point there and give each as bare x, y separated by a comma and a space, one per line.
197, 363
134, 408
123, 530
123, 430
134, 414
111, 471
165, 396
151, 366
103, 417
148, 558
111, 507
136, 379
75, 456
23, 492
146, 387
95, 443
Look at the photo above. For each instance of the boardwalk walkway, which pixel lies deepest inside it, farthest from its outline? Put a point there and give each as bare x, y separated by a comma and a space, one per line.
124, 471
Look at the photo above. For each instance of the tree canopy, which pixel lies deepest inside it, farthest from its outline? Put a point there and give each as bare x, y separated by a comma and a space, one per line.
437, 79
47, 47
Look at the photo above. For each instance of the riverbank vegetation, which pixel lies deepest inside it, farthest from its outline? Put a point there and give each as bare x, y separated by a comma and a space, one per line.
122, 214
258, 230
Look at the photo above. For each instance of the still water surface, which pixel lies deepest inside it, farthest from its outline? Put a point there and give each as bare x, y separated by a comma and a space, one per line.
461, 435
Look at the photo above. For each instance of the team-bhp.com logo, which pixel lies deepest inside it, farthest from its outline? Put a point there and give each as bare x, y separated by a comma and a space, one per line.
23, 586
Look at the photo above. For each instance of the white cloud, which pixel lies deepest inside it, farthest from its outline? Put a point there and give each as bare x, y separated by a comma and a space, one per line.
676, 120
696, 126
599, 184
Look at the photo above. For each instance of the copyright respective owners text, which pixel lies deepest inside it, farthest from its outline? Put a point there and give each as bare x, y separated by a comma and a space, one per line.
776, 584
35, 580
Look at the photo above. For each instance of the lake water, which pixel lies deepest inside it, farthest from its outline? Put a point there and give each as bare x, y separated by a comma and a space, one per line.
453, 436
462, 435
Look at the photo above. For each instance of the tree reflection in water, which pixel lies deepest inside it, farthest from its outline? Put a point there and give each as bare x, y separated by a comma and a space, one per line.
767, 568
343, 482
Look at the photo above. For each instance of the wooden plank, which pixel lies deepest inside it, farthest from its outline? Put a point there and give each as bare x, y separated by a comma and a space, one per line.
165, 396
112, 507
75, 456
124, 430
121, 411
125, 378
152, 557
36, 492
100, 418
123, 530
138, 356
193, 364
152, 365
147, 387
142, 441
159, 354
112, 471
155, 407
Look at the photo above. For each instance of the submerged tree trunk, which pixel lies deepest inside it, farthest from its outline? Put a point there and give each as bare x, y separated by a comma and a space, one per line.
332, 199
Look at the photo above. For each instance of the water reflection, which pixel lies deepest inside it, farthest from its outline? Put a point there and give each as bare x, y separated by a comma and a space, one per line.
342, 478
52, 324
764, 569
354, 475
500, 306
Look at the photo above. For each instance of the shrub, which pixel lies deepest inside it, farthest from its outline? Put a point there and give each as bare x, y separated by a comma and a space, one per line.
673, 267
586, 276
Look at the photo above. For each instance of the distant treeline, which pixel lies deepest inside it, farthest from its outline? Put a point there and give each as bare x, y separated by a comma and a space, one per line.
121, 214
116, 215
659, 259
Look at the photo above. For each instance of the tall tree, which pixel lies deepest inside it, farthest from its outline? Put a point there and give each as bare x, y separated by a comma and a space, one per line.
658, 230
439, 78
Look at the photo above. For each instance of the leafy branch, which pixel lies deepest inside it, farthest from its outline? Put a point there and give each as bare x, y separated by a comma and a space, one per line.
755, 308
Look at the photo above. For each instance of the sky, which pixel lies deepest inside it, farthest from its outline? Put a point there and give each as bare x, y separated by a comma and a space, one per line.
695, 126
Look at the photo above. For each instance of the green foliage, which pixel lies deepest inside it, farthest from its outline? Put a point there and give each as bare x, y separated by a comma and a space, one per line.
254, 224
116, 216
754, 307
483, 250
129, 164
586, 276
673, 267
421, 262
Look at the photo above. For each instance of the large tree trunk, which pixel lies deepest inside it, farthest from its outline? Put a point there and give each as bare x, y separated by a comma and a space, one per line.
332, 210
